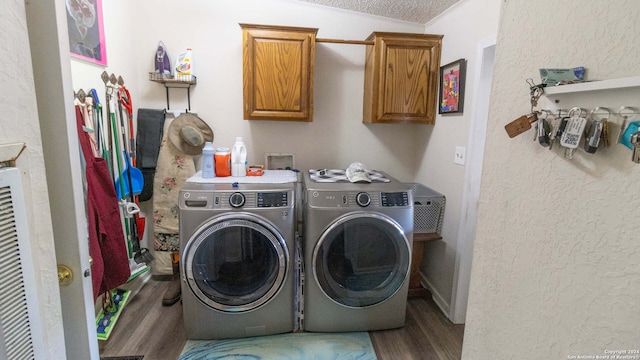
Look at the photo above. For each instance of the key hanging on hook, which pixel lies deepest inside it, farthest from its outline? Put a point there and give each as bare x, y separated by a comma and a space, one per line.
625, 118
595, 131
535, 91
523, 123
573, 132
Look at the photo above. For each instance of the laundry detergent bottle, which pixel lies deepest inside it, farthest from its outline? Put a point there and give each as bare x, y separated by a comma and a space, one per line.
238, 158
184, 66
208, 169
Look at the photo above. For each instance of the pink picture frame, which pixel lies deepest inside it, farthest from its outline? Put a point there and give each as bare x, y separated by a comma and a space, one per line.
86, 30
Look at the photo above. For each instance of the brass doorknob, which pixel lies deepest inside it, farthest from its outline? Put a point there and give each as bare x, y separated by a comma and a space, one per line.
65, 275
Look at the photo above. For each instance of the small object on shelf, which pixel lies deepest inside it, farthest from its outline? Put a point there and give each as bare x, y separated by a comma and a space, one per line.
553, 77
162, 63
255, 170
184, 66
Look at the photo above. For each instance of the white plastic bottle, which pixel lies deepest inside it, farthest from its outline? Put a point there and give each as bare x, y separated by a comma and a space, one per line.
238, 158
184, 66
208, 170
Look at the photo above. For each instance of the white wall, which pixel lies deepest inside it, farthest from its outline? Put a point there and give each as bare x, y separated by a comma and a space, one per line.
19, 124
463, 27
334, 139
555, 267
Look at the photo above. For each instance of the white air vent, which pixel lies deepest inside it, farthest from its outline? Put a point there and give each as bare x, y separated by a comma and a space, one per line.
19, 320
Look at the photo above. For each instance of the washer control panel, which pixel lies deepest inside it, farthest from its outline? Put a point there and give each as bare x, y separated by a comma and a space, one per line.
273, 199
395, 198
236, 199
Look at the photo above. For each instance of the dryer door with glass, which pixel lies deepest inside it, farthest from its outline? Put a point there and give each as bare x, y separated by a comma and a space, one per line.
362, 259
235, 262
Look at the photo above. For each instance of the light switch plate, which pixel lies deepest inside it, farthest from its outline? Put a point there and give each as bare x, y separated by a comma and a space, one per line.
460, 155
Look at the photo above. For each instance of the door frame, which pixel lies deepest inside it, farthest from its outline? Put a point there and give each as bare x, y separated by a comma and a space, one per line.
485, 55
49, 44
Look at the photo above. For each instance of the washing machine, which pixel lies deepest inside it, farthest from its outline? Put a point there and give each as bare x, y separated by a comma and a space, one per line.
237, 268
357, 252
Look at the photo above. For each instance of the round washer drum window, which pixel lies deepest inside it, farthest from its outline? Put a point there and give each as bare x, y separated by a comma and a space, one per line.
362, 259
235, 264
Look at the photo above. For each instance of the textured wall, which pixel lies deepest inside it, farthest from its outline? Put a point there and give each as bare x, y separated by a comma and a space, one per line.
555, 268
19, 124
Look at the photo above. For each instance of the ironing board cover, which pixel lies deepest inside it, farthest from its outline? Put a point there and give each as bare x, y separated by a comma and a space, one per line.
340, 176
172, 171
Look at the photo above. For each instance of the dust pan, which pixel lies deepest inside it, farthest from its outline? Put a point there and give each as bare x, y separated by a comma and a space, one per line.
137, 180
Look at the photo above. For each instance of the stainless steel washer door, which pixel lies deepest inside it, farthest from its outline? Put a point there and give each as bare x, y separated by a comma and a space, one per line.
235, 262
362, 259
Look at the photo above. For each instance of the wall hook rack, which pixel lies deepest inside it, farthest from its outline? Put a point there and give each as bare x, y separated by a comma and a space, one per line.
184, 82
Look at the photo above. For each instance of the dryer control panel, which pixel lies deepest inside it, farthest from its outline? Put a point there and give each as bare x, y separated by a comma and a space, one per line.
357, 199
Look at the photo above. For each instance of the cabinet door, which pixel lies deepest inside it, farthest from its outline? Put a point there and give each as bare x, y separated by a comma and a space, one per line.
401, 79
278, 72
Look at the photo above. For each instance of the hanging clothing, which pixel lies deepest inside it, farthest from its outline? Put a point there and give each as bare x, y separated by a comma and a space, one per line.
107, 247
150, 132
172, 172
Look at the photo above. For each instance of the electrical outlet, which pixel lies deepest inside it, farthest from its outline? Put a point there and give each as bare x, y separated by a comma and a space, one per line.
460, 155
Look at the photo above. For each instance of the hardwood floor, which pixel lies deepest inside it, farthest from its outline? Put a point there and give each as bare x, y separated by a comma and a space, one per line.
147, 328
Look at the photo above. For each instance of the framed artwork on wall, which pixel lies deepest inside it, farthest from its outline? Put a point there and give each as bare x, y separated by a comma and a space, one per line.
451, 99
86, 30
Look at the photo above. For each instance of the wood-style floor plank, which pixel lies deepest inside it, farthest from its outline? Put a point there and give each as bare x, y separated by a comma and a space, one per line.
147, 328
427, 334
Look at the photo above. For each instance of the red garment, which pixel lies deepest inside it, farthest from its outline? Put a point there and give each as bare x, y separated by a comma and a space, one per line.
107, 246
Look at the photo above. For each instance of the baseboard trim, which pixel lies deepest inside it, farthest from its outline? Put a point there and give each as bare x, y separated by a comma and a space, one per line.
436, 296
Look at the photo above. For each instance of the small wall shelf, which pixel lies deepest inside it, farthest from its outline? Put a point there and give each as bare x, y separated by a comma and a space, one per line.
594, 86
185, 83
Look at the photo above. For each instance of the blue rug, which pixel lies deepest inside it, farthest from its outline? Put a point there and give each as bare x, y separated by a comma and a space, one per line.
291, 346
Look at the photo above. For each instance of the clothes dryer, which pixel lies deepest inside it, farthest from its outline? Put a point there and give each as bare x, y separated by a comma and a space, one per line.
357, 253
237, 268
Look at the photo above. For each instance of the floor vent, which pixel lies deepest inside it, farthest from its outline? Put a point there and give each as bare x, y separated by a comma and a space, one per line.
19, 320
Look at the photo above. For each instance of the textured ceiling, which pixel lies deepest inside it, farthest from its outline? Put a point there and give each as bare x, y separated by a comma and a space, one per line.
420, 11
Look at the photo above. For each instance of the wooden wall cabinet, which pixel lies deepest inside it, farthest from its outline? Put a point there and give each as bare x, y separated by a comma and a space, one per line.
401, 78
278, 72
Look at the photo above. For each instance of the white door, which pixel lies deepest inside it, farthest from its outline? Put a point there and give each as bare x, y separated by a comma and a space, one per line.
48, 38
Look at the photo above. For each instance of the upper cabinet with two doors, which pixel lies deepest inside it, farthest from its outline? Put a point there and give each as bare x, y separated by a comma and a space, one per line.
401, 74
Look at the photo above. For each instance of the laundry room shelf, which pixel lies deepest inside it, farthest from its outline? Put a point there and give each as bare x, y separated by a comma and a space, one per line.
620, 83
183, 82
426, 237
415, 288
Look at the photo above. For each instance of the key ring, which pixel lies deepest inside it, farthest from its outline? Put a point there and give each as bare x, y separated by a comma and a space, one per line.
546, 114
594, 110
573, 110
